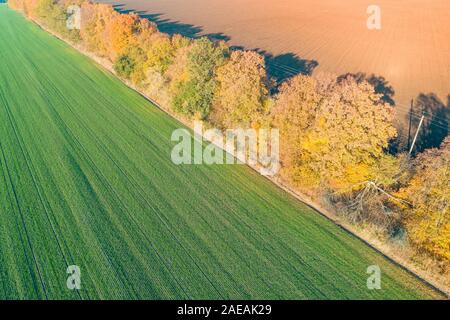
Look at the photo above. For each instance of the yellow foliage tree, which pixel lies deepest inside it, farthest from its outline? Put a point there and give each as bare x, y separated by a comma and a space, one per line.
136, 51
242, 92
428, 222
293, 113
333, 138
159, 52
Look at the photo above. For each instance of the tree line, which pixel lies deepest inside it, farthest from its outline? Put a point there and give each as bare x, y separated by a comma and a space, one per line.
334, 131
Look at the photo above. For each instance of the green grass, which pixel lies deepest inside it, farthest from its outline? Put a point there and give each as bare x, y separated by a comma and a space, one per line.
86, 179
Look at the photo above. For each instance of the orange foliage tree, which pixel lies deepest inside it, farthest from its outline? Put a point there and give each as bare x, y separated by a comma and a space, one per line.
120, 34
94, 21
16, 4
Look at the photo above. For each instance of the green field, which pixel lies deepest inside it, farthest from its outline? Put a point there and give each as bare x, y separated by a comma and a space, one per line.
86, 179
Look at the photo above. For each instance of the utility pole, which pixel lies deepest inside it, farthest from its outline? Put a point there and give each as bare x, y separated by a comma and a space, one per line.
417, 133
410, 123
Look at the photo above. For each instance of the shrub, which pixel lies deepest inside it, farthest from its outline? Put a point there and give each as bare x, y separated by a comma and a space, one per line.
124, 66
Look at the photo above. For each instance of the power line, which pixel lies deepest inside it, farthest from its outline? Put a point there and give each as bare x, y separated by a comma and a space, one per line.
438, 122
408, 108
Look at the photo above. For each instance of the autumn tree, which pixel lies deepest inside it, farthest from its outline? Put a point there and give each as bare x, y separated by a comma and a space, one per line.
29, 8
145, 29
51, 14
159, 52
242, 93
294, 112
358, 127
16, 4
428, 221
136, 52
120, 34
194, 82
94, 21
331, 138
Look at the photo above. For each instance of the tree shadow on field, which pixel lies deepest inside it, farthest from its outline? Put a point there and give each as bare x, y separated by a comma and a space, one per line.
284, 66
380, 84
279, 67
120, 8
435, 126
172, 27
287, 65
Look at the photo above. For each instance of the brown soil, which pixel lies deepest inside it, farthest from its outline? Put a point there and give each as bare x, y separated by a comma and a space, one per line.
411, 51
